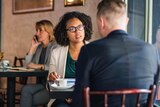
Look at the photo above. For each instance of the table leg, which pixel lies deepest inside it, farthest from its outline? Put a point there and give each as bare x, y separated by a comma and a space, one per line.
11, 92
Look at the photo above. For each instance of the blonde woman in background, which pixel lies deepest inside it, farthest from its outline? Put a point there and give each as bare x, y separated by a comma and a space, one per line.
38, 57
42, 43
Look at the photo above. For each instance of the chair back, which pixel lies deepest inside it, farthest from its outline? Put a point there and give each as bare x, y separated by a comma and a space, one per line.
19, 62
123, 92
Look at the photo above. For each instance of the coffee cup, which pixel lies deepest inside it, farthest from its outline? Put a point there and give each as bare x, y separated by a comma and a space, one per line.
62, 82
5, 63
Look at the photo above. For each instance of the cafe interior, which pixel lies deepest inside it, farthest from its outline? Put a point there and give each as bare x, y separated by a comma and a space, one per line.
18, 18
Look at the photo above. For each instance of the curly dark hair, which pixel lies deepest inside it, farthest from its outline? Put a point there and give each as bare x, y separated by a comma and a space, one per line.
60, 32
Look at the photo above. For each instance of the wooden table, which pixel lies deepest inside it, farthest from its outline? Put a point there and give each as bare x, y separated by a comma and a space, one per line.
11, 78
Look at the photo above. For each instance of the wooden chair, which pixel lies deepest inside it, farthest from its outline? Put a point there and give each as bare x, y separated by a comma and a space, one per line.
150, 92
19, 62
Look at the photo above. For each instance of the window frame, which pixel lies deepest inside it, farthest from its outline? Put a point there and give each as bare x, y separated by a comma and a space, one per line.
148, 20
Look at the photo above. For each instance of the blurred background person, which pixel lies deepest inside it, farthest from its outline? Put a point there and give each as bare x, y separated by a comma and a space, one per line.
38, 57
157, 43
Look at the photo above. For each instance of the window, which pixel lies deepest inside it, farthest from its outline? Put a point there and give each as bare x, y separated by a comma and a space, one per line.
140, 15
136, 14
156, 18
0, 22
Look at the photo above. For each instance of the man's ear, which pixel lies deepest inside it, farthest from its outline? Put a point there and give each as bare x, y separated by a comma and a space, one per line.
127, 20
101, 22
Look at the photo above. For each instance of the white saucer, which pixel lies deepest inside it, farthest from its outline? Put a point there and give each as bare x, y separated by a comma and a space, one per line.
62, 87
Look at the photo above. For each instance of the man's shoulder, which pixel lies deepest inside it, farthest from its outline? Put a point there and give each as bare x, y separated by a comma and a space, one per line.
94, 46
96, 43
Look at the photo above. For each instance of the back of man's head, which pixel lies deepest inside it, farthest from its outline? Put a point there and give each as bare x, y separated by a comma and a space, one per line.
114, 11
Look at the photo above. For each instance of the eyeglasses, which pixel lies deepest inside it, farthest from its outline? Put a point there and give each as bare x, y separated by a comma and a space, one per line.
74, 29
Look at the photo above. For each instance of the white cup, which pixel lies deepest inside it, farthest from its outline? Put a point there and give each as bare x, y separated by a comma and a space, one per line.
5, 63
62, 82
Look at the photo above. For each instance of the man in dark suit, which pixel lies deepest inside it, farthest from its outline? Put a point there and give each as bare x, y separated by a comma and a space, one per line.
116, 61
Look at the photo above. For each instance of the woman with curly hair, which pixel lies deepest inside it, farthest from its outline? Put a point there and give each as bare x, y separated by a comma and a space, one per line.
71, 33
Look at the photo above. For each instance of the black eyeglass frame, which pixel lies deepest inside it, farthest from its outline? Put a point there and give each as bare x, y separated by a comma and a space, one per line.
74, 29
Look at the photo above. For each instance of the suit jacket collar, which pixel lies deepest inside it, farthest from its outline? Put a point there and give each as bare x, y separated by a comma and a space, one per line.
116, 33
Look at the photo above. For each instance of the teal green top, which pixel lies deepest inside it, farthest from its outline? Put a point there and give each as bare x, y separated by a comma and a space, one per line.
70, 67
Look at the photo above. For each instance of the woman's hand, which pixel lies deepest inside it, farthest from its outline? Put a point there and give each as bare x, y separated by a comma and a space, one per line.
68, 100
34, 42
34, 45
53, 76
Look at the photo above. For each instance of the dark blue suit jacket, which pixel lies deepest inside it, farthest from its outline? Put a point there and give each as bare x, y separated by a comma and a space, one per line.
115, 62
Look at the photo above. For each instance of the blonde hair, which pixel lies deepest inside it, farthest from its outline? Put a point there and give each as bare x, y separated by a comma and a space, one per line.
47, 26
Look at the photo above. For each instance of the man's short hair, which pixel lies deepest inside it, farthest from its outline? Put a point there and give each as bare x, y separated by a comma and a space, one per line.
111, 7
